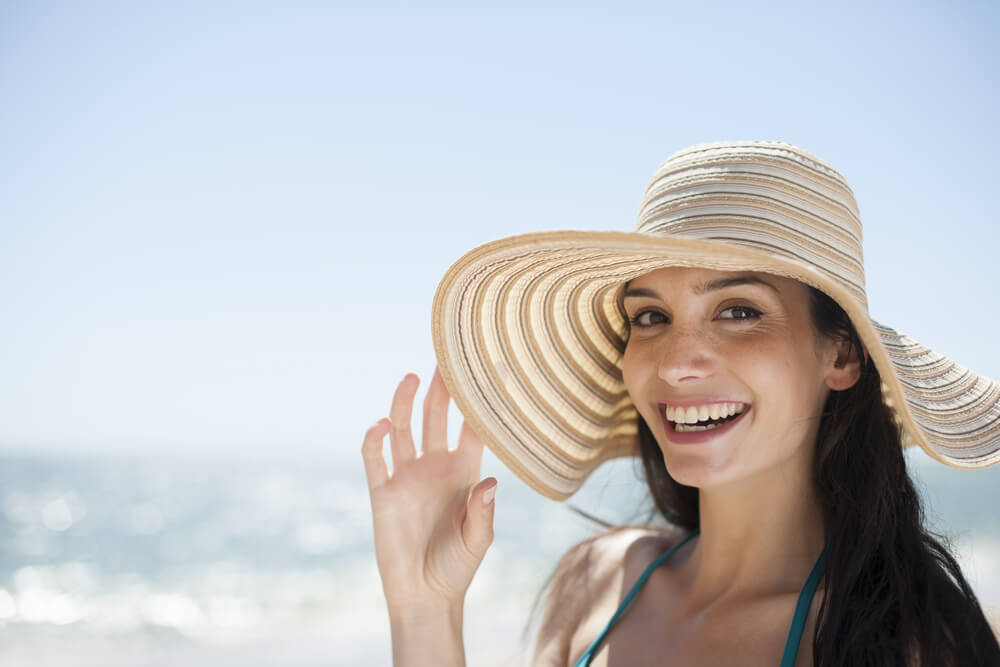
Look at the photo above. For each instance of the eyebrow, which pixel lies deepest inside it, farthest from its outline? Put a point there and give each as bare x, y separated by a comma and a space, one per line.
704, 288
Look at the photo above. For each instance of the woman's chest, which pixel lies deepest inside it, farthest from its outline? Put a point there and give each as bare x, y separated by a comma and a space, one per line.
753, 633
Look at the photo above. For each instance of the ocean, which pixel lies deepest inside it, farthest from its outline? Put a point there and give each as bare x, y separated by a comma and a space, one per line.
115, 560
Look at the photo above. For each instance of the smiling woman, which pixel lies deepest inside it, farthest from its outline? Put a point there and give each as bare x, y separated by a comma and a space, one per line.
727, 343
704, 342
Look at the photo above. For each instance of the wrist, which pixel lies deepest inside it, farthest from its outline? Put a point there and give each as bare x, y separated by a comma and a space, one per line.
427, 635
423, 613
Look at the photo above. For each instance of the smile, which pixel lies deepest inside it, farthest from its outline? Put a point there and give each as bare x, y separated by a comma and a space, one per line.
693, 423
700, 418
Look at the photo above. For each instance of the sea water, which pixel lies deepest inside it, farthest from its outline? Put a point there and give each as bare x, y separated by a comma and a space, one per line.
115, 560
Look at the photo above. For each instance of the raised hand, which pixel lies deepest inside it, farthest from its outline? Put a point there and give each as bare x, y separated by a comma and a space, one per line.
433, 518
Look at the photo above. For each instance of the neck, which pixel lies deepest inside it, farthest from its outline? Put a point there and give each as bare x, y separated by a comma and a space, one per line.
773, 523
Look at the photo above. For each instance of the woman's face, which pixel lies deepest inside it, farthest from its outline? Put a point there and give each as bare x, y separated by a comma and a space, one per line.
728, 371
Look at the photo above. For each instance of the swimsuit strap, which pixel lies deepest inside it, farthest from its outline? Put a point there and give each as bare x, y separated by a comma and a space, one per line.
794, 632
802, 610
588, 655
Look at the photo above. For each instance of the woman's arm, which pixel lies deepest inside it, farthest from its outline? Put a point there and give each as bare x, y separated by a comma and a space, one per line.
565, 598
427, 637
585, 581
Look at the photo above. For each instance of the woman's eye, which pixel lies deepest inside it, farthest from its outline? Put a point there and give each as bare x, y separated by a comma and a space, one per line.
648, 318
739, 313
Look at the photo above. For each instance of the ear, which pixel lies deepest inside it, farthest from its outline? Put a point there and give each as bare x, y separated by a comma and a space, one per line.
844, 368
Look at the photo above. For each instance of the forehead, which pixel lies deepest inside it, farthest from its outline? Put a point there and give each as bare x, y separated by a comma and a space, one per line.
699, 281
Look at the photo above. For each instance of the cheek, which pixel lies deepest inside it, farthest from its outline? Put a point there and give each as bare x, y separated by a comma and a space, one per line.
634, 375
774, 370
786, 377
629, 375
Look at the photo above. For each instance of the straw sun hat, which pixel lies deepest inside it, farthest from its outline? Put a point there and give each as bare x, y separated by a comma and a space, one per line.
529, 335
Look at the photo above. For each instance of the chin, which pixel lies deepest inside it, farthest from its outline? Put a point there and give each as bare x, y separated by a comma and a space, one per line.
700, 473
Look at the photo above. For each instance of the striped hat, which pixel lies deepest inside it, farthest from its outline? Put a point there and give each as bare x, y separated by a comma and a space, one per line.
529, 335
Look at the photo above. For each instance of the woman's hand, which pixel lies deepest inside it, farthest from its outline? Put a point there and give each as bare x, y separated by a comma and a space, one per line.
433, 521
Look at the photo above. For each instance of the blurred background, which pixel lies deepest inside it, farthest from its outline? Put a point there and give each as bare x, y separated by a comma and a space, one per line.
221, 228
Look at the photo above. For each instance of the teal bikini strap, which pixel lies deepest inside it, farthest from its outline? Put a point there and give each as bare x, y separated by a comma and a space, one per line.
794, 632
802, 610
588, 655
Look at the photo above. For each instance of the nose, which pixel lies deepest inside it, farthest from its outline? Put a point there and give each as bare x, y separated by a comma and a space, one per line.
685, 356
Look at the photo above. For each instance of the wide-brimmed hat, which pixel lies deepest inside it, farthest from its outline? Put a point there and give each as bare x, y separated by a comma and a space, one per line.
529, 333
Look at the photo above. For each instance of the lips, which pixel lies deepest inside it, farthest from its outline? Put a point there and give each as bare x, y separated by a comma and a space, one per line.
682, 431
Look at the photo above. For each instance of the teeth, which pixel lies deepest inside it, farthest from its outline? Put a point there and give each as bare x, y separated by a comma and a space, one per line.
684, 428
692, 415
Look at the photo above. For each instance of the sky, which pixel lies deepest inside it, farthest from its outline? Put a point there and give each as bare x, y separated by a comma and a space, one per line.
222, 224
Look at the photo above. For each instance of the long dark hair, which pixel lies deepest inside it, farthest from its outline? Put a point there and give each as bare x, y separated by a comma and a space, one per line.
894, 593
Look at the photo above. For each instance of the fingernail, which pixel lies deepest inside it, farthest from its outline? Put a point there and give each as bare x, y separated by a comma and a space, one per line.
488, 495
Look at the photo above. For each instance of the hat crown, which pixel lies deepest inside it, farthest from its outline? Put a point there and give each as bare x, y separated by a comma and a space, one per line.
762, 195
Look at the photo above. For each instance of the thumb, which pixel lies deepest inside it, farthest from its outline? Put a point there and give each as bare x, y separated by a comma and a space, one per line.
477, 529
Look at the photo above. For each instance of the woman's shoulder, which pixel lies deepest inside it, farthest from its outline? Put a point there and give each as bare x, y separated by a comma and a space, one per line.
589, 577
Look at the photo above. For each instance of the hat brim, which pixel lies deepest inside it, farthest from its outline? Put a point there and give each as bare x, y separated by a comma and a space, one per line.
529, 340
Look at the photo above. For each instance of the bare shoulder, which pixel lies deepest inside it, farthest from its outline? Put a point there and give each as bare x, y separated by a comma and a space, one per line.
587, 576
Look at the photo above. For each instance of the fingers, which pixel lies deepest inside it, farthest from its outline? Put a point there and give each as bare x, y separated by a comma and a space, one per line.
436, 415
400, 435
469, 441
477, 528
371, 452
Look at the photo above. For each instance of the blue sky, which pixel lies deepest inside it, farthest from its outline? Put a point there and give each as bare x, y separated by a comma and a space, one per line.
222, 224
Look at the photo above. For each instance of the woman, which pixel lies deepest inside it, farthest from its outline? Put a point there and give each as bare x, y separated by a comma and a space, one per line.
727, 342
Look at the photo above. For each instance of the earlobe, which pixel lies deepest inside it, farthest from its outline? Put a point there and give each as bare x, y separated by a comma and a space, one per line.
846, 368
